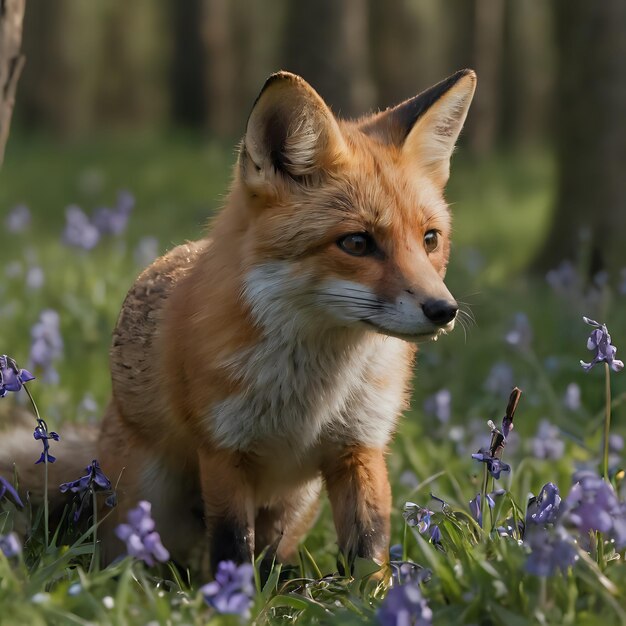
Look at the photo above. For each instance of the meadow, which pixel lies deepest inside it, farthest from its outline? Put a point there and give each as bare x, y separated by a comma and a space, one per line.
535, 556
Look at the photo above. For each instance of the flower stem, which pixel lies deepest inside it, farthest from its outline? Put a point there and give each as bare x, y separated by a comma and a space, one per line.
600, 549
483, 497
95, 530
607, 423
45, 470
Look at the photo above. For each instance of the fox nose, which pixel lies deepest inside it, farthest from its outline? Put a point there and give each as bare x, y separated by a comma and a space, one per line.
440, 312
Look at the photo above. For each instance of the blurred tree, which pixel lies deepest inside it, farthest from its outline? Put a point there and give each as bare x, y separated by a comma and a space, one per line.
488, 29
187, 65
221, 68
527, 79
61, 41
590, 213
327, 42
11, 62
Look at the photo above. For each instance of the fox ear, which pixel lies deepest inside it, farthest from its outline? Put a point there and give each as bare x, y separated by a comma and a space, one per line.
290, 131
427, 126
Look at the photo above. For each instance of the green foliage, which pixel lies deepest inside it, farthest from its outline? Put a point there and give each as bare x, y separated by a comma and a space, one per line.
477, 577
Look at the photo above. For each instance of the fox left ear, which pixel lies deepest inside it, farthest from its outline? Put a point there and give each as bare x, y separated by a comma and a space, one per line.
290, 132
427, 126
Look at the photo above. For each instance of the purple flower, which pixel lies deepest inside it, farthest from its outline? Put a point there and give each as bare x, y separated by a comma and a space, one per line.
79, 231
494, 466
18, 219
93, 481
500, 379
7, 487
114, 221
46, 344
10, 545
544, 509
419, 517
147, 251
520, 335
35, 278
12, 378
439, 405
547, 444
404, 605
600, 341
564, 279
142, 540
571, 399
476, 508
550, 550
41, 434
592, 503
232, 591
403, 572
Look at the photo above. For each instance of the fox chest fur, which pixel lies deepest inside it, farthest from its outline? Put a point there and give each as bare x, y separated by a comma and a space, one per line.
293, 390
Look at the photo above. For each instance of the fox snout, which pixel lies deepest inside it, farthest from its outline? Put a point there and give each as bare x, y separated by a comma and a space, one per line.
440, 312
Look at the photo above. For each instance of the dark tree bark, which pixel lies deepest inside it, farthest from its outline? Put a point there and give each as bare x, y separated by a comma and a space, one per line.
327, 43
11, 62
589, 221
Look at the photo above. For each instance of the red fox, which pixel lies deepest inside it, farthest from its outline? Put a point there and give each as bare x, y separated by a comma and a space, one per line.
272, 358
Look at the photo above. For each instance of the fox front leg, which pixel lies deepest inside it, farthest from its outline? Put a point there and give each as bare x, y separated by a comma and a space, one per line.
228, 508
360, 496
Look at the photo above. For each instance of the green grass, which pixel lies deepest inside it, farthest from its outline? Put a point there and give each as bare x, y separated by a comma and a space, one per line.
501, 208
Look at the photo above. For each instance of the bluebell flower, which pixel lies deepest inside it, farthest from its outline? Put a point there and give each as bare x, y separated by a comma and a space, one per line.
600, 341
12, 378
476, 508
404, 605
551, 549
42, 434
7, 487
419, 517
547, 443
147, 251
10, 545
113, 221
94, 480
142, 540
18, 219
500, 379
494, 466
439, 405
592, 503
46, 345
79, 231
520, 336
35, 278
544, 509
571, 399
232, 591
565, 279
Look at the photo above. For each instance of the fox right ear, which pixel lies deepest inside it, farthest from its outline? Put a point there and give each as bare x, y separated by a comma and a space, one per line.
427, 126
290, 131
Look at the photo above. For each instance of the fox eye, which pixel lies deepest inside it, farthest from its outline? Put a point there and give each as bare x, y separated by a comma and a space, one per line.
431, 240
357, 244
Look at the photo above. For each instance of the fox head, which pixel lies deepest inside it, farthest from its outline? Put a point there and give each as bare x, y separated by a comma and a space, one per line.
346, 223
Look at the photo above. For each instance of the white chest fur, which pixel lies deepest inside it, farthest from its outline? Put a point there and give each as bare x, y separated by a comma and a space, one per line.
305, 383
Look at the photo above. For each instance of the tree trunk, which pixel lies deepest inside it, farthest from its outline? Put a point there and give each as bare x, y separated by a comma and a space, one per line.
11, 62
589, 221
327, 44
488, 40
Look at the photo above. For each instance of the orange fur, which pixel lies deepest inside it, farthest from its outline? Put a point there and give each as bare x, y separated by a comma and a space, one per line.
248, 366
